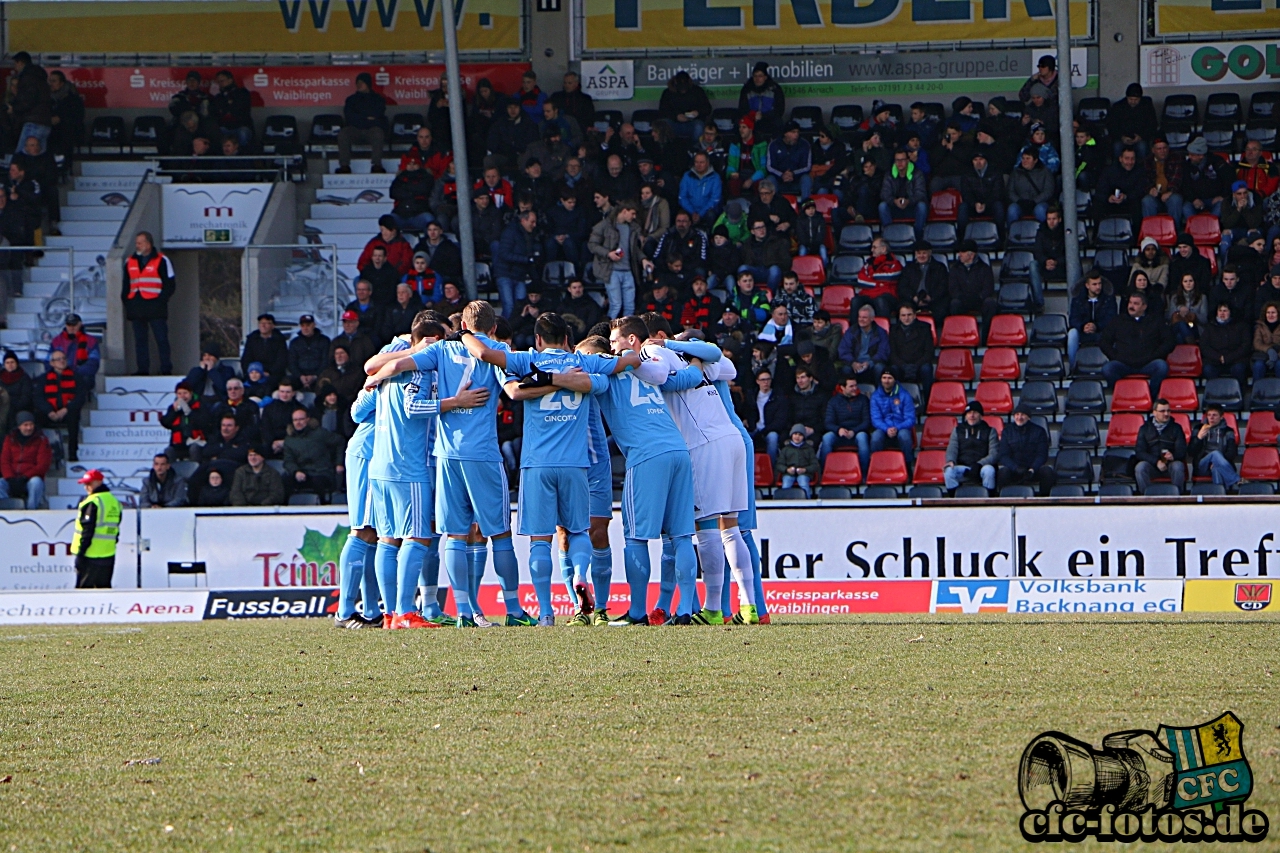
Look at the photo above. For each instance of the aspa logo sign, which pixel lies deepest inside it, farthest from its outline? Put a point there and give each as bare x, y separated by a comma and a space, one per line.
970, 597
1252, 597
613, 80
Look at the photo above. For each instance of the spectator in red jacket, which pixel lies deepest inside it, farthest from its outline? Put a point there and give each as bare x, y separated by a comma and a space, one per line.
878, 281
399, 252
428, 155
24, 462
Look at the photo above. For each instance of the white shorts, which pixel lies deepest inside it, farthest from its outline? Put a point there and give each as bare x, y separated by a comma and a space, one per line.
719, 477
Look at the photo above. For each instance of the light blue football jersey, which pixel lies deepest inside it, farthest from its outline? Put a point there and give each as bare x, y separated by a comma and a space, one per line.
464, 433
557, 427
638, 418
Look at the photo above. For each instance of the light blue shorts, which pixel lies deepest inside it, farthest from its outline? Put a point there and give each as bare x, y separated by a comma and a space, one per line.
657, 497
359, 495
551, 497
747, 518
402, 510
600, 481
468, 492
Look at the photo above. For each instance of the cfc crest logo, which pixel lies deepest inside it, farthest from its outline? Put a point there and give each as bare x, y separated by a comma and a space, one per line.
1174, 784
1253, 596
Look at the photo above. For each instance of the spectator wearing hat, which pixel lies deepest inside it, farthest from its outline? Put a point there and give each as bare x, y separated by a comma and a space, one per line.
982, 192
1137, 342
1038, 139
399, 254
1248, 255
880, 121
1042, 109
1050, 252
923, 283
308, 352
789, 160
209, 377
685, 104
904, 194
1161, 449
763, 99
1213, 448
1091, 310
411, 192
148, 286
511, 133
187, 422
972, 451
893, 417
256, 483
25, 459
443, 255
812, 230
797, 461
1154, 262
81, 348
191, 98
830, 159
971, 284
365, 112
59, 399
1032, 188
1023, 454
267, 346
848, 423
258, 386
1240, 216
422, 279
1226, 345
964, 115
1132, 122
745, 164
1187, 259
1046, 75
911, 350
17, 391
358, 343
1163, 167
1206, 182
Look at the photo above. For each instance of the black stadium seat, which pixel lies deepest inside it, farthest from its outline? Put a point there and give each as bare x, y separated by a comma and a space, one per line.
844, 269
1022, 234
1066, 492
808, 117
1049, 329
941, 235
1017, 492
1262, 105
983, 232
1089, 362
1016, 266
1225, 391
404, 129
1181, 108
150, 135
855, 238
1014, 297
1223, 107
1045, 363
605, 119
726, 120
1074, 467
1094, 110
106, 135
1085, 397
324, 133
1115, 232
1040, 397
643, 120
280, 135
1079, 432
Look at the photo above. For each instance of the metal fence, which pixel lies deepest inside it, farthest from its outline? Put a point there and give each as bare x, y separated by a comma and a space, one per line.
292, 279
78, 291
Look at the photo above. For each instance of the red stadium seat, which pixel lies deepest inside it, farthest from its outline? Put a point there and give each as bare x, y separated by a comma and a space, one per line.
1181, 394
842, 468
1160, 228
936, 433
809, 269
1123, 429
836, 298
793, 200
1260, 463
825, 202
1185, 361
1210, 255
960, 330
955, 365
996, 423
1205, 230
842, 323
1184, 421
764, 471
928, 321
1131, 395
1007, 330
995, 397
946, 398
945, 206
1262, 430
1000, 363
929, 467
889, 468
883, 322
1230, 418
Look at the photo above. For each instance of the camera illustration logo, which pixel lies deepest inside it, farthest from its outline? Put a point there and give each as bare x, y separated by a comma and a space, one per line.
1174, 784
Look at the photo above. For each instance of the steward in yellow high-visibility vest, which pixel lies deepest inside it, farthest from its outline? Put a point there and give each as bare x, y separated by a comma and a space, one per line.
97, 531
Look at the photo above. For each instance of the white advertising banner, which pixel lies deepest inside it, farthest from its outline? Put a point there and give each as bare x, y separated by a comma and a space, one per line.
36, 549
265, 551
612, 80
79, 606
1221, 64
196, 215
1237, 540
1057, 595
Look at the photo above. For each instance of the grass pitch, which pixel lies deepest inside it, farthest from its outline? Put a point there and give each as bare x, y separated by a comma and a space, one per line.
868, 734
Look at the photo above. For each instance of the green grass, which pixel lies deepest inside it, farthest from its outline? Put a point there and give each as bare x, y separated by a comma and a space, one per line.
879, 733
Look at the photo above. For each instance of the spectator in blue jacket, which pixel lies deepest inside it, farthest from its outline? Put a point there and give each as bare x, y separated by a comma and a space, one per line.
848, 423
763, 99
789, 160
865, 347
517, 259
1092, 310
700, 191
365, 113
1024, 454
893, 415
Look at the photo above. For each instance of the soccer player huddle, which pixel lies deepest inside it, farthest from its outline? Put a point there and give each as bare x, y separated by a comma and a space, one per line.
427, 483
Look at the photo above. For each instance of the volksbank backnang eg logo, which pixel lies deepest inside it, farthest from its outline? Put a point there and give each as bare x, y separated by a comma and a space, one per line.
971, 596
1175, 784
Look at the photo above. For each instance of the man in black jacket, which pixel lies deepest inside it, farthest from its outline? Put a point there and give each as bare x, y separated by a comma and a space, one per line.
808, 403
923, 284
1051, 255
1137, 342
572, 101
848, 423
148, 286
308, 352
972, 451
1024, 454
443, 255
231, 110
365, 112
911, 350
982, 192
1121, 189
768, 415
1213, 448
1226, 345
411, 192
277, 417
32, 106
1161, 449
1131, 121
268, 347
971, 285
